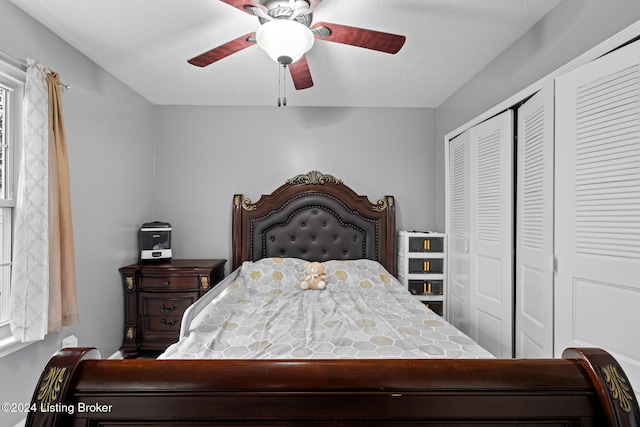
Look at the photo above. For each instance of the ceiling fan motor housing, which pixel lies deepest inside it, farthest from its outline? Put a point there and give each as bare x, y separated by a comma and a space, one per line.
281, 9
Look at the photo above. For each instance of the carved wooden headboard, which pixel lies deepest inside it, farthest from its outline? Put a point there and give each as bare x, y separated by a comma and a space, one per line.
314, 216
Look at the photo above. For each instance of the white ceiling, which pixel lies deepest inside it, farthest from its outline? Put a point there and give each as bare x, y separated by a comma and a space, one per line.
146, 45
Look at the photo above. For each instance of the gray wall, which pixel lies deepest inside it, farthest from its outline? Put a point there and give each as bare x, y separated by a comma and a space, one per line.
207, 154
203, 155
569, 30
110, 133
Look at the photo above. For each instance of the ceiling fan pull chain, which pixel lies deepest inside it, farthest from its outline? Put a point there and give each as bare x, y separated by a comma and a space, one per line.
284, 85
279, 87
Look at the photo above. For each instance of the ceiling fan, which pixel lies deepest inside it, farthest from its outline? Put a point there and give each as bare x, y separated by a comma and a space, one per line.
289, 21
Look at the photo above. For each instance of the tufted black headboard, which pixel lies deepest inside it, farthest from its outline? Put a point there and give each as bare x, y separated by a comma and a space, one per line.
314, 216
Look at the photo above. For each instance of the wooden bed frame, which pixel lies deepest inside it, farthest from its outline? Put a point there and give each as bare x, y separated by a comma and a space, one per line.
315, 216
588, 389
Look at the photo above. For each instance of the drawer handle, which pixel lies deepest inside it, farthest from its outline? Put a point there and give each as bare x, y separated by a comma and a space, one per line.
427, 244
168, 309
166, 283
169, 324
427, 288
426, 265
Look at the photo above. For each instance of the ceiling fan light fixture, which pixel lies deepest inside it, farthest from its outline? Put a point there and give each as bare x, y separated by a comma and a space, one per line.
284, 40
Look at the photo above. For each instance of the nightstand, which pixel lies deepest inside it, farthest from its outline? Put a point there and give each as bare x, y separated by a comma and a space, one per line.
156, 295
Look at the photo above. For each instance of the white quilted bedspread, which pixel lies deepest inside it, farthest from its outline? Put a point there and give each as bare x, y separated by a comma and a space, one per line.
364, 313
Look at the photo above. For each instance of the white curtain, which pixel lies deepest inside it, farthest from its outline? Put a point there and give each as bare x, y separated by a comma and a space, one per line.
30, 272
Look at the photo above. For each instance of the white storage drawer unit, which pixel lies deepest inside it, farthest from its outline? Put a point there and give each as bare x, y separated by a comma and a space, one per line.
421, 267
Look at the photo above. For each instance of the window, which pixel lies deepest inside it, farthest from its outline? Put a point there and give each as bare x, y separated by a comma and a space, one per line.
6, 204
12, 78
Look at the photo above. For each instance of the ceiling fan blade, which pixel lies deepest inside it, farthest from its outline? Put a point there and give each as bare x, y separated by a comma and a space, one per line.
224, 50
360, 37
245, 5
300, 74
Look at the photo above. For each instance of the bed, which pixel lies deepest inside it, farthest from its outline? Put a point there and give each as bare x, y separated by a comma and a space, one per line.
438, 377
261, 312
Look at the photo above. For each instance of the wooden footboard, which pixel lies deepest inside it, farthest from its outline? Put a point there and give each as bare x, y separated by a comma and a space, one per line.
585, 388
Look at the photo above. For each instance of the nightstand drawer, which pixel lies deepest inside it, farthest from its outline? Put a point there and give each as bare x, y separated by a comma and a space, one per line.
162, 324
163, 305
163, 313
148, 283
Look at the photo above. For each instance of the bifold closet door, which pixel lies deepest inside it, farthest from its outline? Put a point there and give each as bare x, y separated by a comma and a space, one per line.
598, 208
534, 226
491, 234
458, 229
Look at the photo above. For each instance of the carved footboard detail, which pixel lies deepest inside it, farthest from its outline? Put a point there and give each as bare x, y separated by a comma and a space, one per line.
50, 403
611, 383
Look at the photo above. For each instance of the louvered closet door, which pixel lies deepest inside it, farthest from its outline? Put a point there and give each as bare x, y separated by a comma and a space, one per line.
534, 227
598, 208
458, 312
491, 232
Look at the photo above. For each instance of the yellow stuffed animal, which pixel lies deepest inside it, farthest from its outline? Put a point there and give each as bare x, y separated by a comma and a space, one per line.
315, 277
